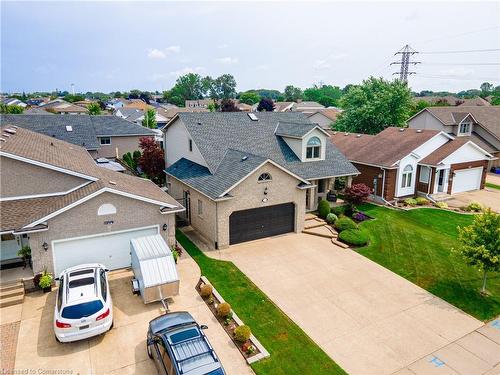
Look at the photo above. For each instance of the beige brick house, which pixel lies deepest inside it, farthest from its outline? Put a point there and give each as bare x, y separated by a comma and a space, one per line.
55, 199
244, 176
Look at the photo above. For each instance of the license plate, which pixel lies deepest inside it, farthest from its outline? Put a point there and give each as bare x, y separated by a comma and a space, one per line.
84, 327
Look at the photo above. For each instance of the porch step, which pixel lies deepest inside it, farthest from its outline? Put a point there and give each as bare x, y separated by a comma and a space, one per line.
322, 231
340, 244
441, 197
315, 223
11, 293
310, 216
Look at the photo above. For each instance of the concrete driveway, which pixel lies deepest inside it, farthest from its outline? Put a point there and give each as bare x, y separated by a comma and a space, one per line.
121, 350
488, 197
368, 319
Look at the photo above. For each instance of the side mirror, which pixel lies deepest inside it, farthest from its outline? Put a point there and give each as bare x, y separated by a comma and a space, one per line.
150, 341
56, 279
106, 270
203, 326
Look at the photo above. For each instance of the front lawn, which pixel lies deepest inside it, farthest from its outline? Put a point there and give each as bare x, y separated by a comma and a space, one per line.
292, 351
492, 185
417, 245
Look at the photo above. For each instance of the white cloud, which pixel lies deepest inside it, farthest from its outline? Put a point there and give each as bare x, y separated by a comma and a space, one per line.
459, 72
262, 67
321, 64
155, 53
337, 56
222, 46
227, 60
186, 70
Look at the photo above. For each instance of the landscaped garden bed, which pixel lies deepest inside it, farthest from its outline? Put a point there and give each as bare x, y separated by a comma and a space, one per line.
251, 349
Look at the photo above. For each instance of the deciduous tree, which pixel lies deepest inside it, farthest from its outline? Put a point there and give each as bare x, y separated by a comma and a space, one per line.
94, 109
266, 105
149, 120
227, 105
292, 93
11, 109
152, 161
249, 97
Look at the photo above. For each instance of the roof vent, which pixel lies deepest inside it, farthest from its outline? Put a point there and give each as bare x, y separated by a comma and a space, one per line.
199, 123
112, 183
346, 134
253, 116
69, 128
334, 133
5, 135
358, 136
401, 129
244, 158
2, 140
419, 130
10, 131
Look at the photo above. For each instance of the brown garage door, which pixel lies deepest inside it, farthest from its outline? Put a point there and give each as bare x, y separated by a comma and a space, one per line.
262, 222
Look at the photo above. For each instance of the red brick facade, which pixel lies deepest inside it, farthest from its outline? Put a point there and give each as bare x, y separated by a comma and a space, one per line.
368, 176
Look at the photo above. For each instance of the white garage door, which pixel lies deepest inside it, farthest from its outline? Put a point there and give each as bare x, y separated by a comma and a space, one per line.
111, 249
467, 179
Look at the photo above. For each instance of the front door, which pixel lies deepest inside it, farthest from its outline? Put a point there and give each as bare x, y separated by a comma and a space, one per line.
441, 180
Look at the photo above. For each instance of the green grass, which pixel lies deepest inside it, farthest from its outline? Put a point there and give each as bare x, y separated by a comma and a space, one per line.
292, 351
417, 245
491, 185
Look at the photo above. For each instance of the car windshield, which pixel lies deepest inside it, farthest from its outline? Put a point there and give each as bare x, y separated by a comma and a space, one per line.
82, 310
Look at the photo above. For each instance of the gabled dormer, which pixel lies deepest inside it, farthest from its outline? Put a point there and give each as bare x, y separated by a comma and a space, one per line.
465, 123
307, 141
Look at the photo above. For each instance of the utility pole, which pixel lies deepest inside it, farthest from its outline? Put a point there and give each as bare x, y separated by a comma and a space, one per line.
406, 53
73, 89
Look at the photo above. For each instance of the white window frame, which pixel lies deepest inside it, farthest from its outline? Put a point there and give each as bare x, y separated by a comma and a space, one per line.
265, 177
313, 148
200, 207
428, 170
104, 144
407, 177
467, 125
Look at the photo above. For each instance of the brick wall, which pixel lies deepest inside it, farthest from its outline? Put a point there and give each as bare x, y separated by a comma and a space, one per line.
369, 173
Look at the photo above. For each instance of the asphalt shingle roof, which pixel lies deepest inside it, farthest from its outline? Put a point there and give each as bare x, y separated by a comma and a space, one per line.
85, 128
293, 129
224, 138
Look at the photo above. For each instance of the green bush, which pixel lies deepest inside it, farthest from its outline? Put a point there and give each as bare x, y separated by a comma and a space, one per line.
45, 280
331, 218
354, 237
224, 309
323, 208
338, 210
442, 205
206, 290
345, 223
474, 206
410, 202
421, 201
24, 252
242, 333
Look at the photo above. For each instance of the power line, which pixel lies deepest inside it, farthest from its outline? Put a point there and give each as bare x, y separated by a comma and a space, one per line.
488, 63
460, 34
456, 78
406, 52
463, 51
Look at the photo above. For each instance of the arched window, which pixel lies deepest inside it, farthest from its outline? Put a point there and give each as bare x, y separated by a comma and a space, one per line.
407, 176
264, 177
106, 209
313, 149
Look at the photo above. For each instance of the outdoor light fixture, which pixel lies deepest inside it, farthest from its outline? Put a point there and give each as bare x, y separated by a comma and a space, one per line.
45, 246
165, 227
264, 200
265, 191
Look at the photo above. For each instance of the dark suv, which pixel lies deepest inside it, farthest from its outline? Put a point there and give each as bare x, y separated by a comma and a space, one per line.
178, 346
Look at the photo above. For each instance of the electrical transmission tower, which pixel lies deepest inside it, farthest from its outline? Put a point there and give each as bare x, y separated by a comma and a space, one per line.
406, 53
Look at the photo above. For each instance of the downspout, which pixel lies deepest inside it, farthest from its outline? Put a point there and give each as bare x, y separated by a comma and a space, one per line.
383, 189
216, 225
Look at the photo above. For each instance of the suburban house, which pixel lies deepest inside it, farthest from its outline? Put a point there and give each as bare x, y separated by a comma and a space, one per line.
137, 104
116, 103
325, 117
480, 124
283, 106
55, 199
62, 107
102, 136
478, 101
401, 163
137, 115
307, 107
198, 103
14, 101
243, 176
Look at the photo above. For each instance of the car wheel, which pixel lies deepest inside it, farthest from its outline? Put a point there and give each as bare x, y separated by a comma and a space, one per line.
150, 354
57, 339
112, 325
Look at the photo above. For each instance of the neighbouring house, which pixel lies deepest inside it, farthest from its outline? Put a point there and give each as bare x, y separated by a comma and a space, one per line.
442, 100
245, 176
480, 124
137, 115
307, 107
400, 163
283, 106
478, 101
14, 101
55, 199
37, 111
103, 136
62, 107
33, 102
138, 104
325, 117
115, 103
198, 103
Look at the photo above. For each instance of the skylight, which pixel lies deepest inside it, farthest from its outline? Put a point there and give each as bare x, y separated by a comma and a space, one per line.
69, 128
253, 117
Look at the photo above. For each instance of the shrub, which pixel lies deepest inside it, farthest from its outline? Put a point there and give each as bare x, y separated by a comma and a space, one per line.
338, 210
421, 201
356, 193
354, 237
45, 280
323, 208
24, 252
36, 279
206, 290
345, 223
331, 218
349, 210
248, 348
442, 205
410, 202
224, 309
360, 216
242, 333
474, 206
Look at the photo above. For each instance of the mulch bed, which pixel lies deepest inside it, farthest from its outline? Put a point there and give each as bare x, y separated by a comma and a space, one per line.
229, 324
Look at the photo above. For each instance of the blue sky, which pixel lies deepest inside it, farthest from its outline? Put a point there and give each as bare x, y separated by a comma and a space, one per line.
108, 46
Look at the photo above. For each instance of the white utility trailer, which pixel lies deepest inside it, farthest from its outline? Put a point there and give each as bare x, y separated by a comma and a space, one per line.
154, 268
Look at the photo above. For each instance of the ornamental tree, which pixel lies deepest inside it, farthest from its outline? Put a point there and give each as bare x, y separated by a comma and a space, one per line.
149, 120
266, 105
94, 109
227, 105
480, 243
152, 160
356, 193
